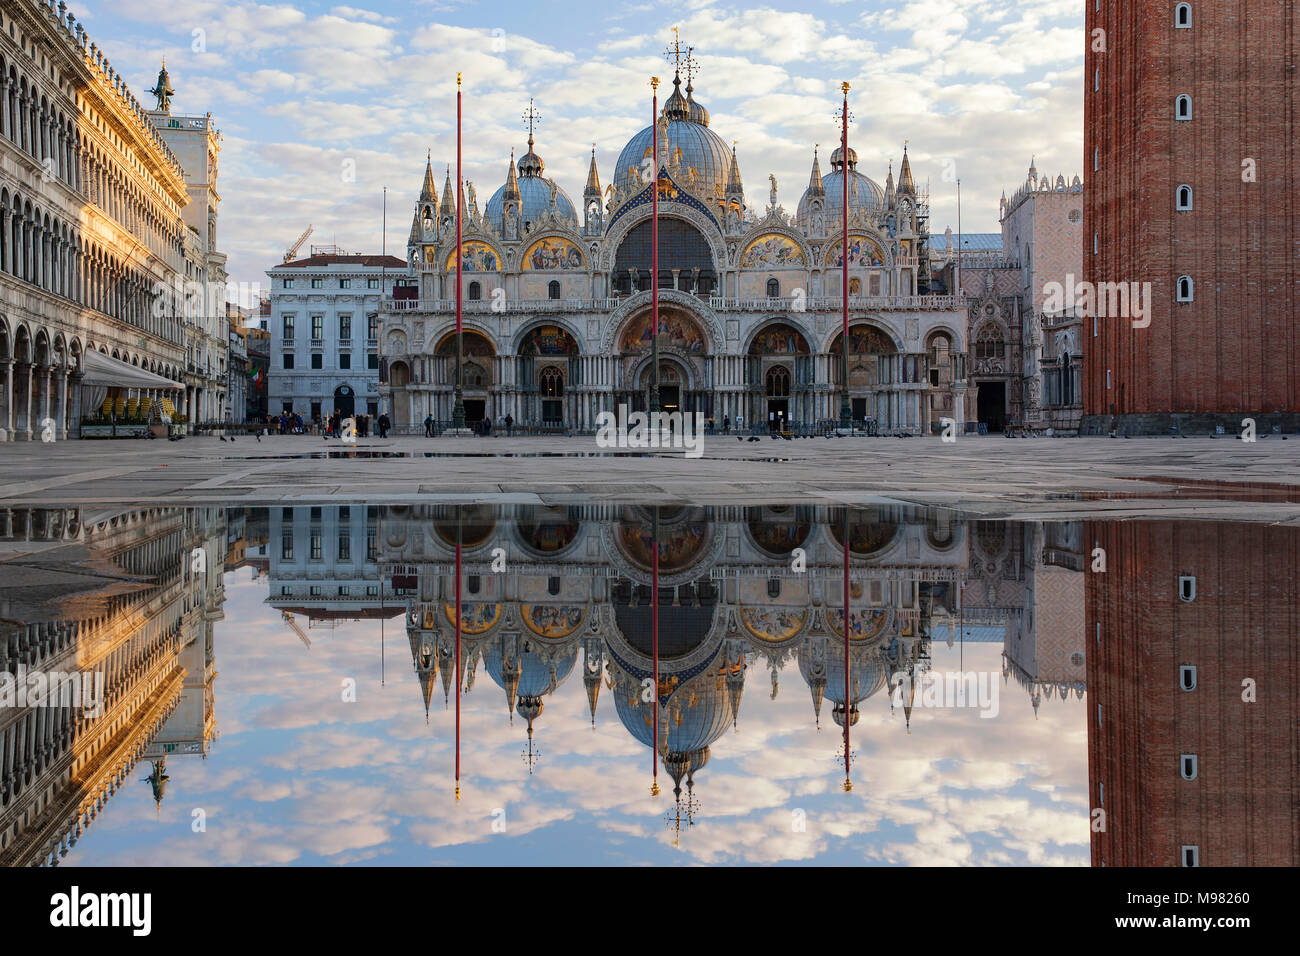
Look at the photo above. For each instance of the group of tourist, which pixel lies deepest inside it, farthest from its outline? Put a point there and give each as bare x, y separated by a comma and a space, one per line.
291, 423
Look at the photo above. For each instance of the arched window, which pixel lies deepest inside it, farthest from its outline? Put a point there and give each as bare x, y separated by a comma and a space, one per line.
1186, 289
778, 382
990, 344
475, 292
1183, 107
1183, 16
773, 288
553, 289
1184, 202
552, 382
471, 375
681, 247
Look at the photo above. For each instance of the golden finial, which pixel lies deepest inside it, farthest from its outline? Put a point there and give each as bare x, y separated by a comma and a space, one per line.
848, 784
654, 82
458, 792
458, 78
654, 790
844, 87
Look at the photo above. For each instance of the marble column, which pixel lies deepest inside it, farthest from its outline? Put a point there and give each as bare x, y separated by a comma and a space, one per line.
7, 414
29, 401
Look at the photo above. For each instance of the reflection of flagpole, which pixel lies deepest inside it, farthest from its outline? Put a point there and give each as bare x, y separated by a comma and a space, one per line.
654, 641
848, 784
458, 565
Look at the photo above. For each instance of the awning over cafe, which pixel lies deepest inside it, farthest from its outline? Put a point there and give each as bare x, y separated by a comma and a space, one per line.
99, 370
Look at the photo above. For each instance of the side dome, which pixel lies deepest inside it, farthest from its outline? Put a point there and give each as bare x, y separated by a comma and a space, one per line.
535, 194
865, 194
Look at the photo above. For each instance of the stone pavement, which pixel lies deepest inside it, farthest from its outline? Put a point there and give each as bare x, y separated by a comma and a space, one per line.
989, 476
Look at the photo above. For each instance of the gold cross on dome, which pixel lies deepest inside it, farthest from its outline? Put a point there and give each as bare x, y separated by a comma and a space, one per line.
532, 116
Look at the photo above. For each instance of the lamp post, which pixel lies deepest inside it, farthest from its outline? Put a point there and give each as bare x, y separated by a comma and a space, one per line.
846, 411
458, 410
654, 247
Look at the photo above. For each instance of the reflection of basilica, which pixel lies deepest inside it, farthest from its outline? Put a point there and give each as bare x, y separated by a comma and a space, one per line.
575, 592
131, 596
557, 294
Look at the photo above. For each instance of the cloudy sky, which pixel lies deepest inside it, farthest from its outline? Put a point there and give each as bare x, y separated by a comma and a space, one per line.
322, 105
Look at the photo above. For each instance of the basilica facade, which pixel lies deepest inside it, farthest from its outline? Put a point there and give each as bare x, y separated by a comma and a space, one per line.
557, 295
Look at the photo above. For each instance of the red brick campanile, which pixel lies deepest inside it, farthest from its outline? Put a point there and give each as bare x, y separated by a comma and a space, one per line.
1233, 350
1239, 620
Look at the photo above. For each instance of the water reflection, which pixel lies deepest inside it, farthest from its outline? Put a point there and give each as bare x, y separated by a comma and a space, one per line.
934, 668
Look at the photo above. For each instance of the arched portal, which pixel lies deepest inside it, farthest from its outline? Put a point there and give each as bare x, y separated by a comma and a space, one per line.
549, 370
874, 367
683, 362
477, 377
779, 362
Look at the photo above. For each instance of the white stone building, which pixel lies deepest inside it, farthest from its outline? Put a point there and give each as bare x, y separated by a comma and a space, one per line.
324, 332
92, 227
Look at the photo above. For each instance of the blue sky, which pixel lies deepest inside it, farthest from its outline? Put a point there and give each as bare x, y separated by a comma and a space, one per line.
306, 93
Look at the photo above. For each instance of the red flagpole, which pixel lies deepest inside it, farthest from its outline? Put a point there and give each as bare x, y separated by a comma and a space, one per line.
846, 414
654, 205
654, 246
458, 405
458, 211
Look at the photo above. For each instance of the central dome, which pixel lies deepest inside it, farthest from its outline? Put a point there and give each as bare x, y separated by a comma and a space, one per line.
692, 146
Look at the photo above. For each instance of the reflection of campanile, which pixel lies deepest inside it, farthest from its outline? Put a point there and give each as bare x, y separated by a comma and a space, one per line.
1187, 618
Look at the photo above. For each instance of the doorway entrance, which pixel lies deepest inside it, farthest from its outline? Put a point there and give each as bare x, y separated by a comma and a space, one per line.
992, 405
345, 400
777, 387
474, 410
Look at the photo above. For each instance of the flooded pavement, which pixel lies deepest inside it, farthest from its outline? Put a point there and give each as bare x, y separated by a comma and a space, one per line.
633, 683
